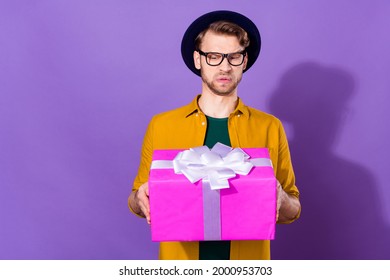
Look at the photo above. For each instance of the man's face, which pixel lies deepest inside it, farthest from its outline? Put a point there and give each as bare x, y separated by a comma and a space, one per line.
222, 79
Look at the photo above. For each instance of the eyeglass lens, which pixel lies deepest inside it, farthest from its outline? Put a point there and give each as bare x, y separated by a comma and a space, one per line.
215, 59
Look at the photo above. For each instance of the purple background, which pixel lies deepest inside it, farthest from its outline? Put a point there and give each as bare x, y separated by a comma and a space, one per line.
80, 80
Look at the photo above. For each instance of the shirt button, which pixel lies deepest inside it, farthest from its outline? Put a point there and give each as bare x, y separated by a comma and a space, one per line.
238, 115
203, 123
196, 114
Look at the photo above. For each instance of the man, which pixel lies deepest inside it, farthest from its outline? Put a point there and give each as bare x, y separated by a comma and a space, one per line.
219, 46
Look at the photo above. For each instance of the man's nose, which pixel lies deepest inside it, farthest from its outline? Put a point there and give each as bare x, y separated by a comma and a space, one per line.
225, 65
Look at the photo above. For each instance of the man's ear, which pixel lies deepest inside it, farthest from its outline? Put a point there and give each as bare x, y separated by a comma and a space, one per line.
197, 60
245, 61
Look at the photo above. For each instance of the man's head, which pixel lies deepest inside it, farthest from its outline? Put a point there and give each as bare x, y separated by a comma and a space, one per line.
222, 23
220, 56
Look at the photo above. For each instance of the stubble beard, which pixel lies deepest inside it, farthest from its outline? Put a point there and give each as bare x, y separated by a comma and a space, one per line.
223, 91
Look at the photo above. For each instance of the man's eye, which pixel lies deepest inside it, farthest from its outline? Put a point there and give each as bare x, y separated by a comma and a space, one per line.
214, 56
235, 56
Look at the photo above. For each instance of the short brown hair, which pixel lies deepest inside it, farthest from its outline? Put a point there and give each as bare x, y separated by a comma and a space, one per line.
226, 28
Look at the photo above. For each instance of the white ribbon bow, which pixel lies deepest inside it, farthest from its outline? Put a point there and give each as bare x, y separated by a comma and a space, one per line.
215, 166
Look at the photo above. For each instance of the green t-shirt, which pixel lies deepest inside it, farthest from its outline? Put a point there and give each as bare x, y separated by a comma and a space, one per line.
217, 131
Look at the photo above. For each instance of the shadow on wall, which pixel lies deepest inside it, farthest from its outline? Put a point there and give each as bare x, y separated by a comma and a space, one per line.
341, 216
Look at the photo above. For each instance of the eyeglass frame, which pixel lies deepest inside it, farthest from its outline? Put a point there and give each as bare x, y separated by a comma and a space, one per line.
224, 55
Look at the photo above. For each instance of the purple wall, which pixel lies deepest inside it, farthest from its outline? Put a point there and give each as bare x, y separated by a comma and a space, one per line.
80, 80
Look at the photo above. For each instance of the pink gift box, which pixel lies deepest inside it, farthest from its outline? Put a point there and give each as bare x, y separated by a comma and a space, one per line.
180, 212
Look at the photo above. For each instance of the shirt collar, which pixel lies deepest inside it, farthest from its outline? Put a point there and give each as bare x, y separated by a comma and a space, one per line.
241, 109
193, 107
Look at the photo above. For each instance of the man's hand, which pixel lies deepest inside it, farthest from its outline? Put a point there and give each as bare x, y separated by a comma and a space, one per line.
139, 201
287, 206
280, 194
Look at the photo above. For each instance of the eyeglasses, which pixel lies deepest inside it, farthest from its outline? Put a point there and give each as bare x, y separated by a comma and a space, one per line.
215, 58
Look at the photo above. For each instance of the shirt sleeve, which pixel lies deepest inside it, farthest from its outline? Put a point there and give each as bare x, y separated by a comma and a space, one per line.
146, 158
285, 173
144, 167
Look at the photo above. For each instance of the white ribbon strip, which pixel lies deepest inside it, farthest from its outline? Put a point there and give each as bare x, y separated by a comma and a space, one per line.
216, 165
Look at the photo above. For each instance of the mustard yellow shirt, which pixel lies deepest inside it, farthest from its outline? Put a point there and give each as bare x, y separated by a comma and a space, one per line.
185, 127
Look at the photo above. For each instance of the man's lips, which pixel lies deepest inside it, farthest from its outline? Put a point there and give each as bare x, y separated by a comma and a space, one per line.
224, 79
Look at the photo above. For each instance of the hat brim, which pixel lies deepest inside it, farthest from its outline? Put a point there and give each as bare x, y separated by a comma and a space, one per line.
203, 22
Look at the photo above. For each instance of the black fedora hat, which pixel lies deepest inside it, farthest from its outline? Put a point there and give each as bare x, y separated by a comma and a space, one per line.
203, 22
